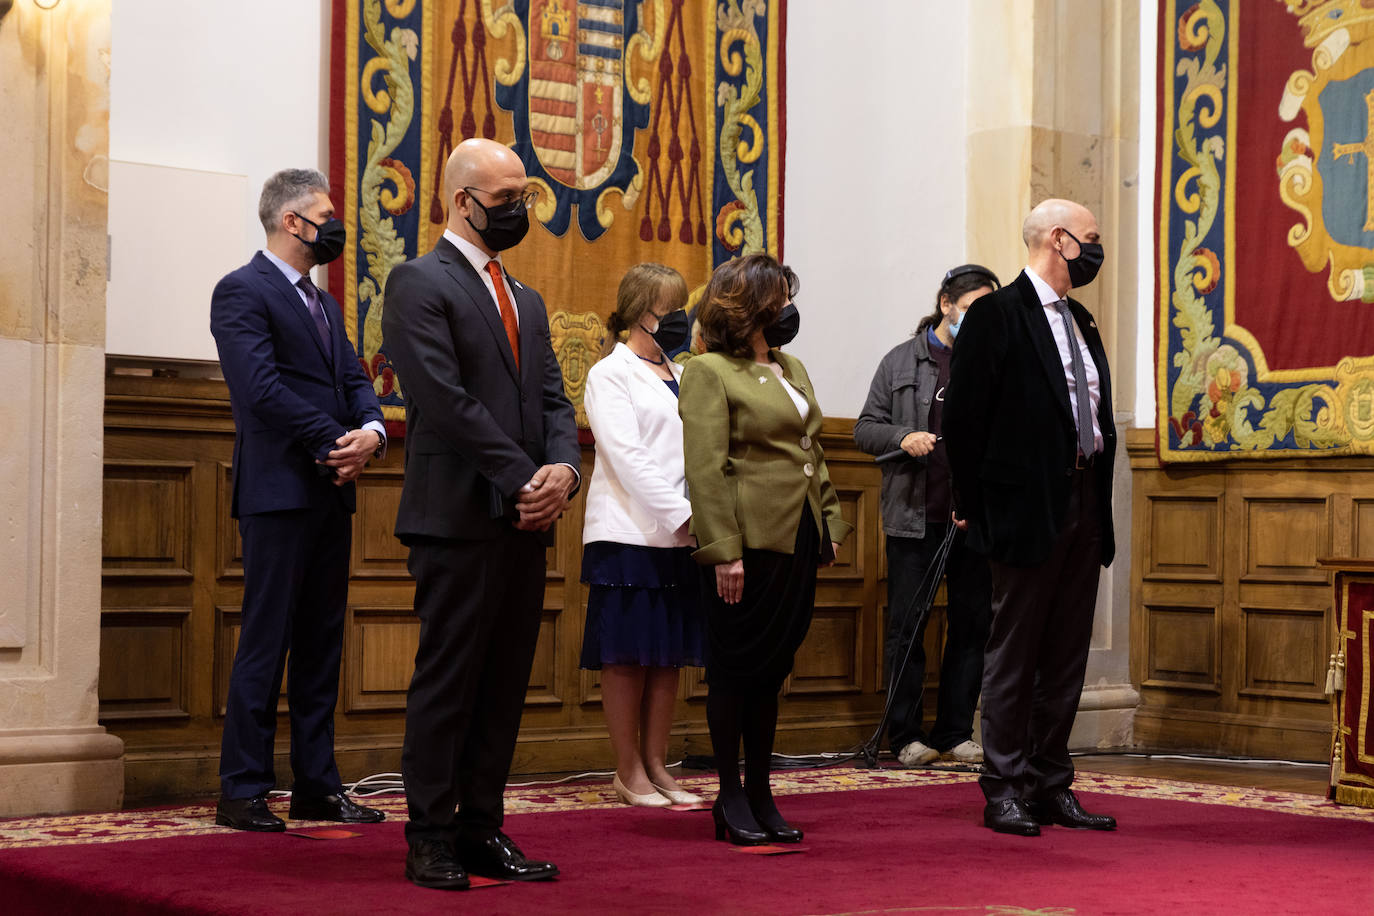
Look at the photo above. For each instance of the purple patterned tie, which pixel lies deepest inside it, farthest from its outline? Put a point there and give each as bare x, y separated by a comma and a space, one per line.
316, 310
1087, 442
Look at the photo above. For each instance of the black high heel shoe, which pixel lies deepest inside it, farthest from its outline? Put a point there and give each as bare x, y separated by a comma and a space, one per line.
740, 836
778, 830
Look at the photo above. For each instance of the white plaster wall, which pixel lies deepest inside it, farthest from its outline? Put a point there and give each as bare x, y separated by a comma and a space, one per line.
234, 88
1144, 406
875, 178
875, 172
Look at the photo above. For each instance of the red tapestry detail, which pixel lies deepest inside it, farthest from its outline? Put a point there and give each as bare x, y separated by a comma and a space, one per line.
676, 97
472, 70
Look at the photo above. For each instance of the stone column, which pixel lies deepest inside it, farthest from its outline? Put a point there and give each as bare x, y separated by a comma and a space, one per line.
54, 65
1053, 95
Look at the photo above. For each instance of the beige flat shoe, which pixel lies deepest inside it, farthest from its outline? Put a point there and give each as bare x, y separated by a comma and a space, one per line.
679, 796
648, 800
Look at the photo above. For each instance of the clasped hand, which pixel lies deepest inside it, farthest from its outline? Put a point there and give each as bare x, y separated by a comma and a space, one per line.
918, 444
542, 500
355, 447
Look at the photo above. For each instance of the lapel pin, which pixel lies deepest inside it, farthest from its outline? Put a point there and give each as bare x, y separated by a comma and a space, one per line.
763, 381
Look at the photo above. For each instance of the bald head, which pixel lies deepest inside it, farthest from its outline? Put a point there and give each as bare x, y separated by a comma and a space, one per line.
1036, 230
1053, 232
480, 172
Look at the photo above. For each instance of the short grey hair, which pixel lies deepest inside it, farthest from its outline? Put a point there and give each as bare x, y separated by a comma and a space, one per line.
287, 190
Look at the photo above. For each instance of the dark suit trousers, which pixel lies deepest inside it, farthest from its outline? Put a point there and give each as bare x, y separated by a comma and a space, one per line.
1037, 651
479, 603
295, 587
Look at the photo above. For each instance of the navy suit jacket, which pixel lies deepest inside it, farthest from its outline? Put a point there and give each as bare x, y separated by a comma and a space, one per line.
291, 396
1009, 429
476, 427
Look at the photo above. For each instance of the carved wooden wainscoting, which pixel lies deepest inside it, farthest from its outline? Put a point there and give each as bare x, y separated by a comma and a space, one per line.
1231, 618
173, 586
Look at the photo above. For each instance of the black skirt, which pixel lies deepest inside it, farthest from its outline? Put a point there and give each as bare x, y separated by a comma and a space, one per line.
750, 645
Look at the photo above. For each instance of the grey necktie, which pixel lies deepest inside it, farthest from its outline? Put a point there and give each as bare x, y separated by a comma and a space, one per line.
316, 310
1086, 443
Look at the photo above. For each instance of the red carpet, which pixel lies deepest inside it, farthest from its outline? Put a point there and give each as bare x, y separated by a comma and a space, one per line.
915, 848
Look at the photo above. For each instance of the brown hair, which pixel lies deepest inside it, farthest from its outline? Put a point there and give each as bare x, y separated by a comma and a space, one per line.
957, 282
744, 295
642, 287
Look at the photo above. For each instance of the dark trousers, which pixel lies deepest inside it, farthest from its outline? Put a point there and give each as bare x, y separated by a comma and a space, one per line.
479, 604
1042, 619
968, 608
295, 587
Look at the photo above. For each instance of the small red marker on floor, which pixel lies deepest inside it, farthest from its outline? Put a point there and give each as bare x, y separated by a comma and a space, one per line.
324, 833
476, 881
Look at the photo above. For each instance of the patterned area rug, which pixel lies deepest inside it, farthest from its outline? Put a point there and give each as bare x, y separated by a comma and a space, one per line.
197, 820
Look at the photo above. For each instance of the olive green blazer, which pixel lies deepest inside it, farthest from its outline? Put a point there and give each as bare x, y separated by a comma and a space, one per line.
751, 462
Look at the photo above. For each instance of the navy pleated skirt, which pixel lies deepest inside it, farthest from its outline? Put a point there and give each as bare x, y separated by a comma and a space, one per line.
643, 606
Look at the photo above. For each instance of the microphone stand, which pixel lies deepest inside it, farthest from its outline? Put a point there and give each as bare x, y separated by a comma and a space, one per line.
920, 602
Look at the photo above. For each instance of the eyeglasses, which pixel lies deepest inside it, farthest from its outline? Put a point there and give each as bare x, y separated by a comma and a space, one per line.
528, 198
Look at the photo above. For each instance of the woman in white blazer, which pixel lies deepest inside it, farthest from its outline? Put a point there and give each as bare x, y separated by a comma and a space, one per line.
643, 615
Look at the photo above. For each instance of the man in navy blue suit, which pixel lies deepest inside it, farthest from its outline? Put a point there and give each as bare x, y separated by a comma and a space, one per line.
306, 422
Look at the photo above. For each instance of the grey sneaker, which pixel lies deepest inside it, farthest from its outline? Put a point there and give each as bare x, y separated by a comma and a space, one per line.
915, 754
966, 752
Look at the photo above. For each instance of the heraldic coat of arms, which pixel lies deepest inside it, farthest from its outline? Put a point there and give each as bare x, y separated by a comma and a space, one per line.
574, 109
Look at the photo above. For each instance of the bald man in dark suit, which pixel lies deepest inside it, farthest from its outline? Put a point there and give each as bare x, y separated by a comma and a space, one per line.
491, 461
1030, 437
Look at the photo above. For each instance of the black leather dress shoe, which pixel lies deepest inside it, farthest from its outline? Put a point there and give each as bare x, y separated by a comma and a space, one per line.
432, 863
1010, 816
339, 808
1062, 808
248, 814
498, 857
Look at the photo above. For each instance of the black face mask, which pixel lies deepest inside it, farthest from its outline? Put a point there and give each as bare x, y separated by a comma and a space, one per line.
672, 330
782, 331
330, 239
1083, 269
506, 223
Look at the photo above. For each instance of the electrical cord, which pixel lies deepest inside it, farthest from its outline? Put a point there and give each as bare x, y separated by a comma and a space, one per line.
1204, 758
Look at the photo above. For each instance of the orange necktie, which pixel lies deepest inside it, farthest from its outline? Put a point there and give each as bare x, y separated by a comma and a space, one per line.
507, 312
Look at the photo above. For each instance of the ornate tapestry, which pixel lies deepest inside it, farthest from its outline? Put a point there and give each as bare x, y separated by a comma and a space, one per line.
652, 128
1352, 740
1265, 213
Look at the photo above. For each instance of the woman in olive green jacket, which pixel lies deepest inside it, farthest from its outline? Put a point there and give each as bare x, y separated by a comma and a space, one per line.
765, 517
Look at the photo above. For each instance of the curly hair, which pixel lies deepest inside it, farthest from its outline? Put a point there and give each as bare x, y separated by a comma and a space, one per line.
744, 295
642, 287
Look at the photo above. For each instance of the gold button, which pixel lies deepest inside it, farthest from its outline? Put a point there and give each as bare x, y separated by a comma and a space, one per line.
806, 442
808, 469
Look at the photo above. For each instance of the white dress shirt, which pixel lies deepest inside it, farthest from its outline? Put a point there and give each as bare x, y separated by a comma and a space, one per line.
1048, 298
293, 276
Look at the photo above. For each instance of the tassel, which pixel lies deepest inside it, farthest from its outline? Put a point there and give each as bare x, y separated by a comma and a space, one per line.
1335, 764
1331, 675
1340, 671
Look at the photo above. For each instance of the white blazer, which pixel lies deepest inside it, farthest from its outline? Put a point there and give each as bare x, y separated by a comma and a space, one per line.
638, 493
